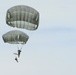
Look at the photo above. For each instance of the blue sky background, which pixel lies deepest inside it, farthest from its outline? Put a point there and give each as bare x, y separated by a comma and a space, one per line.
51, 49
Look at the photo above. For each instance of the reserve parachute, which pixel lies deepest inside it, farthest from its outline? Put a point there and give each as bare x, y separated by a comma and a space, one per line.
22, 16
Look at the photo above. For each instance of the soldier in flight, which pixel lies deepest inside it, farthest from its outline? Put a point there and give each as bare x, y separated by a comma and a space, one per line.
18, 54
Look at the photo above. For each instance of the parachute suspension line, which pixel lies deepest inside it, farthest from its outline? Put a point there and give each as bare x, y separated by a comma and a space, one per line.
17, 47
20, 47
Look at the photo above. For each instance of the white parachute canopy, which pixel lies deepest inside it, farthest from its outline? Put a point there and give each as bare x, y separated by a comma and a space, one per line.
22, 16
15, 37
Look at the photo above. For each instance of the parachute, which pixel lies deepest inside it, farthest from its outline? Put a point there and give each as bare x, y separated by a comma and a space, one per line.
22, 16
15, 37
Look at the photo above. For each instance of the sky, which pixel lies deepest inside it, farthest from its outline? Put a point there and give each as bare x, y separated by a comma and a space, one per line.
51, 49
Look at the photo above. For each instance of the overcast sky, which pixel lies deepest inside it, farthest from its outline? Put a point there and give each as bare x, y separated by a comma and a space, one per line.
51, 49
